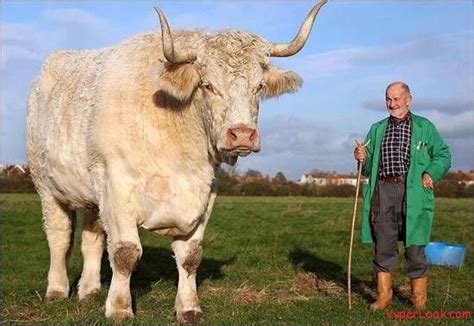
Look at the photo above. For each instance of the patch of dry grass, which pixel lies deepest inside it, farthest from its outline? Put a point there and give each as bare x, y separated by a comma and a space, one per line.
310, 282
214, 291
22, 314
246, 294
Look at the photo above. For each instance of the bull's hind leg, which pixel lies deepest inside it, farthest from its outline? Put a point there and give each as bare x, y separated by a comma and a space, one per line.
188, 255
59, 223
92, 247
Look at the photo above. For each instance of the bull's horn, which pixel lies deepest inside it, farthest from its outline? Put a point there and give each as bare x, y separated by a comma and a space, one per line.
167, 41
289, 49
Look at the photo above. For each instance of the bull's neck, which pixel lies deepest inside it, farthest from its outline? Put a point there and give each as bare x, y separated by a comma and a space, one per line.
186, 128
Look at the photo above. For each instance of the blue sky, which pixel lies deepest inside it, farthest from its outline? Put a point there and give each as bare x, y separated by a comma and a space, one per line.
355, 49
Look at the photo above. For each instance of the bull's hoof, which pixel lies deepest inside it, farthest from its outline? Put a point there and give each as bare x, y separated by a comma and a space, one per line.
54, 296
84, 297
190, 317
120, 315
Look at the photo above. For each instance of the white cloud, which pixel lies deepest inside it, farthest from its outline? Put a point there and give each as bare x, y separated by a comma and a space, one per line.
20, 53
354, 58
458, 126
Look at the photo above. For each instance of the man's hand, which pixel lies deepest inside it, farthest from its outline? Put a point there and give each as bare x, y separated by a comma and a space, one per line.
427, 181
359, 151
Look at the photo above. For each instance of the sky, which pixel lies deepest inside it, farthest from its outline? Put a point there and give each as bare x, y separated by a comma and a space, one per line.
355, 49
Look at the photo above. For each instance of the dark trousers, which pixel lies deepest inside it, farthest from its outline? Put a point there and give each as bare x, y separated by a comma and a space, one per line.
389, 228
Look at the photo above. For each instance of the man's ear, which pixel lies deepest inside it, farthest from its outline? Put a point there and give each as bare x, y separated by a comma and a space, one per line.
179, 81
279, 81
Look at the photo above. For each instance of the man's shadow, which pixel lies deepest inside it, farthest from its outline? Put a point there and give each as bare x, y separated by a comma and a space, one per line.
329, 271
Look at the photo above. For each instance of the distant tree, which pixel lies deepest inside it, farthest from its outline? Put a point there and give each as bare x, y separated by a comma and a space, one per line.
280, 177
253, 173
230, 169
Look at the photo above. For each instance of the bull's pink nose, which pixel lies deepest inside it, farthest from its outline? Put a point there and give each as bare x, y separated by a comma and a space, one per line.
242, 136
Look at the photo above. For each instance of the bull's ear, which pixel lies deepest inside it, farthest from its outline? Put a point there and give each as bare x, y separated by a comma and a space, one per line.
179, 80
279, 81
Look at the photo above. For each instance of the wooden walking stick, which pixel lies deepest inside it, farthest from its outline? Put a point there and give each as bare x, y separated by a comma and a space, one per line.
354, 214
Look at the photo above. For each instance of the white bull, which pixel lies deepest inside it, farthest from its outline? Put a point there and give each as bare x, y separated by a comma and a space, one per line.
133, 134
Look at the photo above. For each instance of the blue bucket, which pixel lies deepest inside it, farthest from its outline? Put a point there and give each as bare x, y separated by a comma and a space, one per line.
446, 254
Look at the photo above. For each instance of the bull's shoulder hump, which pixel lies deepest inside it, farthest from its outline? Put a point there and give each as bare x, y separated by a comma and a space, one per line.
60, 62
61, 57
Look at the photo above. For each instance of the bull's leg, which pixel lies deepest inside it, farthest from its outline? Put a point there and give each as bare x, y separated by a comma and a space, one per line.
124, 256
92, 247
188, 254
59, 223
123, 244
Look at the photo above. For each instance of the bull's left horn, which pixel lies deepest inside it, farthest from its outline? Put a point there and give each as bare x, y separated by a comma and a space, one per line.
289, 49
167, 43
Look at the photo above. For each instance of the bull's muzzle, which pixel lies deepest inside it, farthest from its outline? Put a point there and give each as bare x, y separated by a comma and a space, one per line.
242, 140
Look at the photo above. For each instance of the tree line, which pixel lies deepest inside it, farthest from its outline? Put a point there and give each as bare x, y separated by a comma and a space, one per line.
253, 183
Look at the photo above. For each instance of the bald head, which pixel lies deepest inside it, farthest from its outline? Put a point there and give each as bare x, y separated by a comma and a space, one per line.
397, 99
400, 84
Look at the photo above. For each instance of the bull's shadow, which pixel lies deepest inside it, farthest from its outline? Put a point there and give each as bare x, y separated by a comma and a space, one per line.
329, 271
157, 264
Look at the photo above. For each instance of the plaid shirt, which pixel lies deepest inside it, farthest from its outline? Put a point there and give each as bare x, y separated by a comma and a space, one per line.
395, 156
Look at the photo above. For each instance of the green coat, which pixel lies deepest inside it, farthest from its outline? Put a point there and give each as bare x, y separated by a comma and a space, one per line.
428, 153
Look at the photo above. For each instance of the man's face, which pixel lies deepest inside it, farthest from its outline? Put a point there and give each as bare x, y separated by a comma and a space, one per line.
397, 101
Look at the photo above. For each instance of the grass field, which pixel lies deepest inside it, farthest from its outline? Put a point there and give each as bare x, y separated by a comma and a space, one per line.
266, 261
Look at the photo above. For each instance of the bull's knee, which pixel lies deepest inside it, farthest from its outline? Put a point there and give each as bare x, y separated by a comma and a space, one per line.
126, 257
192, 257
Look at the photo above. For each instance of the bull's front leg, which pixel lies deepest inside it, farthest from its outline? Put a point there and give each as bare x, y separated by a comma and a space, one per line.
188, 255
123, 245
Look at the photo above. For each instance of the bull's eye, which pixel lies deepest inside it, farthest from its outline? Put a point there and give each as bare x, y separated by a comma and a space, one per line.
260, 87
208, 87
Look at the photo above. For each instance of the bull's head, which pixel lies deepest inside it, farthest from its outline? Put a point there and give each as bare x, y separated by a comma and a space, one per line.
225, 75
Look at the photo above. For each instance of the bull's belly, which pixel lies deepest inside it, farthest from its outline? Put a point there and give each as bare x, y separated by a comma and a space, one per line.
70, 182
72, 190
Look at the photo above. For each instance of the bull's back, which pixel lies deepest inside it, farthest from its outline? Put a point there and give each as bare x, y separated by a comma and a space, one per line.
60, 108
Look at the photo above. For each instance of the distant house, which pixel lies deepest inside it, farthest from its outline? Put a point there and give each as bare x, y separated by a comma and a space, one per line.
14, 170
468, 178
325, 179
312, 179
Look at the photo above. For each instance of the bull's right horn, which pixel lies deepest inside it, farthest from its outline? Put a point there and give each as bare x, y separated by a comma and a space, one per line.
289, 49
167, 43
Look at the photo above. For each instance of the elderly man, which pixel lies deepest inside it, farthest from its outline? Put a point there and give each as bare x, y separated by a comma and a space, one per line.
403, 157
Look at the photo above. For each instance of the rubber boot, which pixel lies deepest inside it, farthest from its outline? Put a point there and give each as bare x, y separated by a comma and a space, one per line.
384, 291
419, 292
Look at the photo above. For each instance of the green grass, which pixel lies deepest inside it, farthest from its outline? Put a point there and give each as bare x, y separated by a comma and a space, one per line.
266, 261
